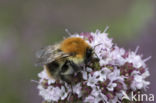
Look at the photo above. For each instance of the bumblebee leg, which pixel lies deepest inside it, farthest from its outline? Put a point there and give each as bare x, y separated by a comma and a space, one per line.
67, 78
75, 67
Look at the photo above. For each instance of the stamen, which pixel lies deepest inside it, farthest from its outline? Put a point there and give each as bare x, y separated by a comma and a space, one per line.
106, 29
136, 50
35, 81
148, 58
68, 32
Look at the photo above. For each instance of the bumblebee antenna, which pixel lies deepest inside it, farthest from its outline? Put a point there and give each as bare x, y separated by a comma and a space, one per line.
97, 45
95, 54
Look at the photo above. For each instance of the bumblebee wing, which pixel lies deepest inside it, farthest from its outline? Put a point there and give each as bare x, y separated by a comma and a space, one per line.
49, 54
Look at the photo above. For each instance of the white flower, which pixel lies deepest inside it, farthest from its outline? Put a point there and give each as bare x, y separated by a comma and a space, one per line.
89, 69
136, 60
97, 76
96, 96
77, 89
145, 74
120, 71
90, 99
84, 74
43, 75
101, 38
114, 76
139, 83
91, 81
52, 93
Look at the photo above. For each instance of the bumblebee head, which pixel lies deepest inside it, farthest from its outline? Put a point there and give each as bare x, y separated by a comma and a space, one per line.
88, 55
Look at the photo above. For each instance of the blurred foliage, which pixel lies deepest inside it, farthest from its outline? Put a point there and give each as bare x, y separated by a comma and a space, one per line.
9, 92
128, 25
26, 26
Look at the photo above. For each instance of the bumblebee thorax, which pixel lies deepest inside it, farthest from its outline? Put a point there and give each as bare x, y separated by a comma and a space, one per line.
74, 45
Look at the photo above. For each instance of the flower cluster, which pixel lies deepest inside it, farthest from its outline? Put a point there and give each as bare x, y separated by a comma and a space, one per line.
113, 71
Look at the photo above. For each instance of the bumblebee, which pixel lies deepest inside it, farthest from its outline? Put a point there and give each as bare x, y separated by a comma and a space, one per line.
63, 60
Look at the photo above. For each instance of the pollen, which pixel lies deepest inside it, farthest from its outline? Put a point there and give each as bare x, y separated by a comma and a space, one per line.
75, 45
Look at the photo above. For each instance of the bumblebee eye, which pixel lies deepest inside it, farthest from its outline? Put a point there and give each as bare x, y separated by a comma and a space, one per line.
88, 52
52, 66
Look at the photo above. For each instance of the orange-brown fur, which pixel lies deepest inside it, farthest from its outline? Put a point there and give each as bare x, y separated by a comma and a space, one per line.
75, 45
